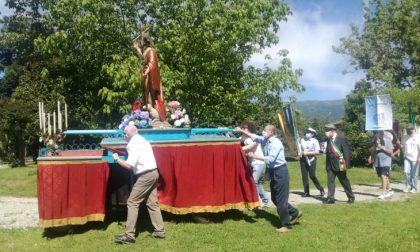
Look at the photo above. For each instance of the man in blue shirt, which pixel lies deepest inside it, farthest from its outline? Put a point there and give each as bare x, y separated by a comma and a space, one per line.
279, 184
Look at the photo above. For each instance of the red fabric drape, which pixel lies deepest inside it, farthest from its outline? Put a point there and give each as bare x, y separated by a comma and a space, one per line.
71, 192
204, 178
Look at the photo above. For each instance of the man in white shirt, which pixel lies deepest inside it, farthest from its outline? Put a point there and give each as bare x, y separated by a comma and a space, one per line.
141, 161
411, 149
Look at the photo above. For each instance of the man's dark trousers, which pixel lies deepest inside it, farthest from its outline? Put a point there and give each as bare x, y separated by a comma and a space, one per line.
279, 186
342, 177
305, 168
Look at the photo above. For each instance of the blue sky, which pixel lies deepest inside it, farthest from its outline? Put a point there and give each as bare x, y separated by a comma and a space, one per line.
309, 34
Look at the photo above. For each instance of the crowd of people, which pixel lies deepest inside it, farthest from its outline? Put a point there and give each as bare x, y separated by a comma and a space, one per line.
267, 151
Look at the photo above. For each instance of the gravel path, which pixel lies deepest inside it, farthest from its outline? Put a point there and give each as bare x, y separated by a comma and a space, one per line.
23, 212
18, 212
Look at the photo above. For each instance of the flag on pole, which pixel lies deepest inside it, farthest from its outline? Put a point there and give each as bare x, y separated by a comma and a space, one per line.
289, 130
411, 116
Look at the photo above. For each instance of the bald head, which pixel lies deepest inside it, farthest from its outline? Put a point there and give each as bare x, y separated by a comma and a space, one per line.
130, 131
270, 129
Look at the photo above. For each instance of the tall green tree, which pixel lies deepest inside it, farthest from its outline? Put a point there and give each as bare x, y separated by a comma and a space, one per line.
80, 52
387, 49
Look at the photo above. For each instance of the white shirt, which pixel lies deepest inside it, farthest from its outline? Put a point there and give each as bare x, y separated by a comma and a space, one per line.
257, 150
411, 146
140, 155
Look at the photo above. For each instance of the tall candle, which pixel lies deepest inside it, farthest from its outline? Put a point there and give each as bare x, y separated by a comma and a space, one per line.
60, 121
44, 128
54, 131
43, 123
65, 114
59, 117
40, 115
49, 125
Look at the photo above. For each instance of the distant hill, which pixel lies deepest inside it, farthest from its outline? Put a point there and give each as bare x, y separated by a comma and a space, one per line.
333, 109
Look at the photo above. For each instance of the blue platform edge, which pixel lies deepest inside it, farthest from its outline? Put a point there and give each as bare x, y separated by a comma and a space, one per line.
157, 135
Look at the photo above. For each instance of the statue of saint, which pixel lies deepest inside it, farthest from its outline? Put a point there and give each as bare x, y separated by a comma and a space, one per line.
151, 86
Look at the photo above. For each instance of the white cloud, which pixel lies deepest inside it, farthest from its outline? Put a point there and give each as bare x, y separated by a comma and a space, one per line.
309, 40
3, 9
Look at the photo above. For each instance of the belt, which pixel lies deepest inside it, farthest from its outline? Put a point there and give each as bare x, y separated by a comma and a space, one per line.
147, 171
277, 167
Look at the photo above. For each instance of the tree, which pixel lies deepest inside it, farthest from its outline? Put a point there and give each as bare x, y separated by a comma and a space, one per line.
387, 49
388, 46
80, 52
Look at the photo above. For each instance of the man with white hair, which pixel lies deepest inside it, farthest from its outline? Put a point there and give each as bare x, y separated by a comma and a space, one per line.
310, 149
141, 161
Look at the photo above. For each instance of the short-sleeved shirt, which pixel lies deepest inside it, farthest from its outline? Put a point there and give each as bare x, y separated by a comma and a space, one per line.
140, 155
310, 144
383, 159
411, 147
257, 150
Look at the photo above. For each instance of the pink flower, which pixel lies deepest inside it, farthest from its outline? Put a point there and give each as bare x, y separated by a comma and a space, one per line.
173, 104
177, 114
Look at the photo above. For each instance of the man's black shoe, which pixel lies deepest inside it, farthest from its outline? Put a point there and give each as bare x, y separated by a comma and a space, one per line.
330, 201
124, 239
350, 200
306, 195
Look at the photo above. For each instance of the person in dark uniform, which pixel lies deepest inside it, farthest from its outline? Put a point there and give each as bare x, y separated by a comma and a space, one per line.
310, 148
279, 174
337, 162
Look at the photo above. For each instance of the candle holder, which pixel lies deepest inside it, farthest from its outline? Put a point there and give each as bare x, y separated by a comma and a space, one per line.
52, 135
52, 142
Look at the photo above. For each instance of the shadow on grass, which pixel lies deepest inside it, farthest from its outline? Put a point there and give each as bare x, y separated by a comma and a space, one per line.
317, 197
268, 216
119, 215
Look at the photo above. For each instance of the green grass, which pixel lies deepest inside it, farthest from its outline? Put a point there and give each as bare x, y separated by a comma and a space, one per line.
376, 226
363, 226
19, 181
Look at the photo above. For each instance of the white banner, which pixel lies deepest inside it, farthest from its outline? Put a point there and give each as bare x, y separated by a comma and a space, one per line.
378, 112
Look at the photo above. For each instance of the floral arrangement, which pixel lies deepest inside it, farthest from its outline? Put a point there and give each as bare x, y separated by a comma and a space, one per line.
138, 118
177, 116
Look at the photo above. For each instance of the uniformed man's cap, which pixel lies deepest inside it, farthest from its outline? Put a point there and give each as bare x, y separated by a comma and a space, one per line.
311, 131
330, 126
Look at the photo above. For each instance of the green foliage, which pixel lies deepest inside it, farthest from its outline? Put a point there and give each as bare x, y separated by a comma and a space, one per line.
79, 52
387, 49
388, 46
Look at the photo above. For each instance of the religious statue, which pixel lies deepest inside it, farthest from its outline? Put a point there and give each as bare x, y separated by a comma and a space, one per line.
151, 87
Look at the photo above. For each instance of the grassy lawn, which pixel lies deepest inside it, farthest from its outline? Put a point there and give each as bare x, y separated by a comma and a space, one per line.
19, 181
373, 226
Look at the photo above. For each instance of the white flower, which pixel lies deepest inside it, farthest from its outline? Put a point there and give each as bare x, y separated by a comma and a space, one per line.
131, 123
177, 123
182, 120
173, 117
183, 112
187, 120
